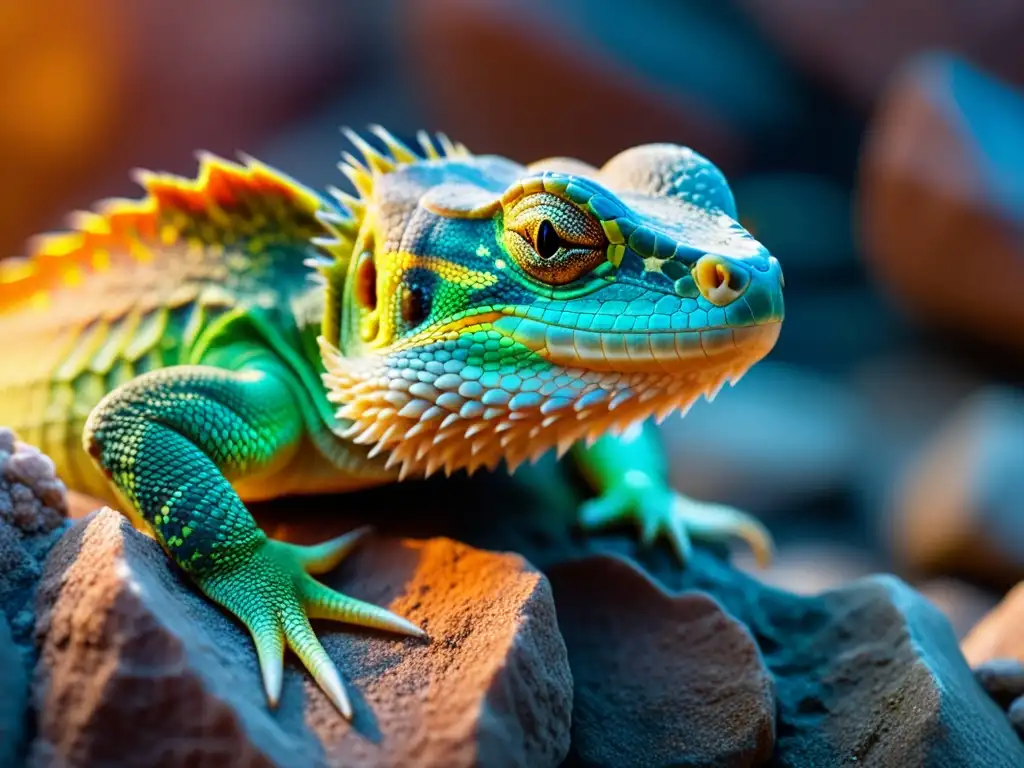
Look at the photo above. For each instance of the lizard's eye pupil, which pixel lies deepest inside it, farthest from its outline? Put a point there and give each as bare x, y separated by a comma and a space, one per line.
548, 241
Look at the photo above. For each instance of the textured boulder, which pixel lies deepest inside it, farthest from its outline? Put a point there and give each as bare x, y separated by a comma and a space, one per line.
659, 679
939, 189
32, 518
33, 506
125, 639
870, 672
13, 696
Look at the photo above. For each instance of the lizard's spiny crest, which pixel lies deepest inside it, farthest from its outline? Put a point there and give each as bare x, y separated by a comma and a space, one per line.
343, 225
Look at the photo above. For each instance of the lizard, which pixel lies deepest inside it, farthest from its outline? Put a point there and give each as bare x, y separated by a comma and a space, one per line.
238, 336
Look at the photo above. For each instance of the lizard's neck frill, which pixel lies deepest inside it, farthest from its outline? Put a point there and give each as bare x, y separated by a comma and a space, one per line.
432, 415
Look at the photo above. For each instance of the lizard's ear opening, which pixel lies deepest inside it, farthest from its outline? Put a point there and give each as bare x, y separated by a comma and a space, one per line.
366, 281
672, 171
361, 306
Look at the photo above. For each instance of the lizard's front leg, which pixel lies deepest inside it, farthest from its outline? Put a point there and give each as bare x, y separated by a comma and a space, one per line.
631, 478
172, 441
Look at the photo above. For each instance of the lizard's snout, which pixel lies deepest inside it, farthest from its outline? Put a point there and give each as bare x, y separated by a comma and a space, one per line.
720, 280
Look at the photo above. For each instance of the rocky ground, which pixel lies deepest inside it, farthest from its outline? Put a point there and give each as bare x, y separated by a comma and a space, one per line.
576, 651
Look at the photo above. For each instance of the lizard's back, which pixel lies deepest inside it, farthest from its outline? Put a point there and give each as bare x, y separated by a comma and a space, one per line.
131, 289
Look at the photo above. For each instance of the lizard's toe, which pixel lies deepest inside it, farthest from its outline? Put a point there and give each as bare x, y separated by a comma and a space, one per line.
659, 511
274, 596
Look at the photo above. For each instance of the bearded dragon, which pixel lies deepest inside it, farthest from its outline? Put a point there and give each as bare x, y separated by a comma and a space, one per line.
239, 336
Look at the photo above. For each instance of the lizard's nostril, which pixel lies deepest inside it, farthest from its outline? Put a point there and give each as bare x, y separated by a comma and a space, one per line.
718, 281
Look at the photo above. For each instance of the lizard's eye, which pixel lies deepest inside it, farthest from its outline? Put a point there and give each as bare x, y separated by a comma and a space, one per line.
548, 241
552, 240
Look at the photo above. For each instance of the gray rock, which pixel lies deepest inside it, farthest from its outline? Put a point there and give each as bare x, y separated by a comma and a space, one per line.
870, 672
659, 679
126, 640
13, 697
32, 517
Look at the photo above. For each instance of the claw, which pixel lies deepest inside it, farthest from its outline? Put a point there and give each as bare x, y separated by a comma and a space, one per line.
275, 596
270, 652
660, 511
313, 656
324, 603
324, 557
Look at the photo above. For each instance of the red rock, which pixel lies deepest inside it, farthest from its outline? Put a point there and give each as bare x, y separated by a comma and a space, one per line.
995, 648
956, 509
126, 640
659, 679
940, 203
998, 635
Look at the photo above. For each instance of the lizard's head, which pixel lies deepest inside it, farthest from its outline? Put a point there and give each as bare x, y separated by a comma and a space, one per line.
489, 310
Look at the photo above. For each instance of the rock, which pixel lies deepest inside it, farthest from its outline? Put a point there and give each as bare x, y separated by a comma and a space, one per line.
33, 509
853, 47
995, 647
998, 635
781, 436
659, 679
695, 72
126, 640
868, 673
13, 696
33, 506
957, 508
940, 191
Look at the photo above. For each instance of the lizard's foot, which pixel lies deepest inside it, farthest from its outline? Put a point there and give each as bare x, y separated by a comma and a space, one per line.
659, 510
275, 596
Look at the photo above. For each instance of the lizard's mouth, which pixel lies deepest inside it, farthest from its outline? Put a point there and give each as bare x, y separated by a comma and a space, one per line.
449, 414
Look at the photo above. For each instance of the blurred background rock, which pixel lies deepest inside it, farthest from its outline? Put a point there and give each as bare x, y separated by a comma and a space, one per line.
876, 147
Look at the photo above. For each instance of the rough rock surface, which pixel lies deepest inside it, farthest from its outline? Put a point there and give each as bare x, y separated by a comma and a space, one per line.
13, 696
659, 679
125, 639
32, 518
33, 508
939, 183
870, 673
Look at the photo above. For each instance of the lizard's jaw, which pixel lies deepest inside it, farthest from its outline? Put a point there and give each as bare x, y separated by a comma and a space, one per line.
426, 410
